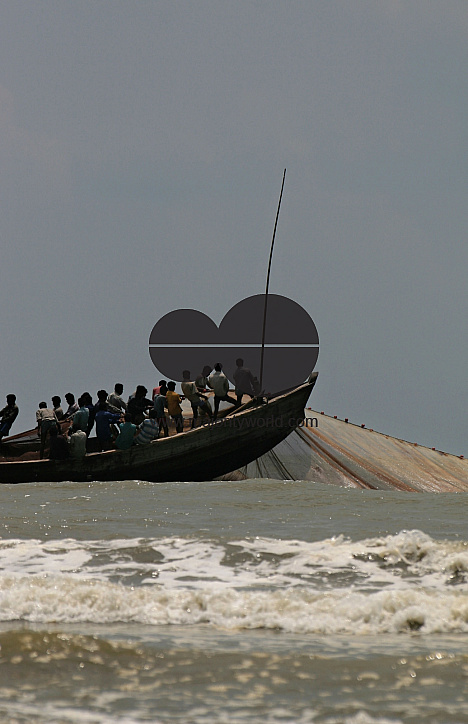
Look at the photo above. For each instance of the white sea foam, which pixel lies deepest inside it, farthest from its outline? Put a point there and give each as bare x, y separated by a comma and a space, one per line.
371, 564
362, 718
390, 584
68, 599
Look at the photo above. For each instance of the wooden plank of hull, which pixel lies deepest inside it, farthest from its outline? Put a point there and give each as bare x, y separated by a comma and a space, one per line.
200, 454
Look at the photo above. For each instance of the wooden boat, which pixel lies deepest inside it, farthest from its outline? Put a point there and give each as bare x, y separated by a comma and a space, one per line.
203, 453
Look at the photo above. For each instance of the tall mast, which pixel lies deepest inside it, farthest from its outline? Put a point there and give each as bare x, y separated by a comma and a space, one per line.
268, 284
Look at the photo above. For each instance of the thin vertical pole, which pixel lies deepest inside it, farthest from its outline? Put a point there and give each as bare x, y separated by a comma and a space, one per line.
268, 284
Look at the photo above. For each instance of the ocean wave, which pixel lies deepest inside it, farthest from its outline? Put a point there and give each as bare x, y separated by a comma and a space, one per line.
388, 584
68, 599
372, 564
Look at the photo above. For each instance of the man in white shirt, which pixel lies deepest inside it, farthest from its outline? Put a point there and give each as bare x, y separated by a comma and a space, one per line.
115, 398
45, 418
191, 393
220, 385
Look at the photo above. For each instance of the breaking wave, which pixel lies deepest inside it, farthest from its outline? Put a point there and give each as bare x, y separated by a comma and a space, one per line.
399, 583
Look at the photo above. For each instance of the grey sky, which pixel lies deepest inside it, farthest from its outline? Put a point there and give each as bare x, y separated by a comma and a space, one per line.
142, 146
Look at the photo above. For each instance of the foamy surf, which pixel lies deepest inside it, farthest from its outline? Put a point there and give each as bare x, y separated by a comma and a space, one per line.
391, 584
337, 562
52, 599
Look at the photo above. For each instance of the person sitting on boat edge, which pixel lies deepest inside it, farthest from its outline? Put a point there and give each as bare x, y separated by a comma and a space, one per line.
160, 404
192, 394
220, 385
46, 419
59, 449
148, 430
77, 442
8, 415
115, 398
173, 406
138, 403
127, 432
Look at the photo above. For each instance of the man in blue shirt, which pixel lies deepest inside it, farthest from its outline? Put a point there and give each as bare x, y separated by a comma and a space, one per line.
104, 420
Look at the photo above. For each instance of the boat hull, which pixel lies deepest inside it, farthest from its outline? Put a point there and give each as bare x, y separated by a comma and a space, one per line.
204, 453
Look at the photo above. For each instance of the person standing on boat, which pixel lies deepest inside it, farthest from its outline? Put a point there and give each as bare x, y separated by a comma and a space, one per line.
46, 419
138, 403
81, 417
115, 398
87, 401
156, 390
220, 385
173, 406
8, 415
72, 406
196, 398
202, 379
104, 422
101, 404
244, 381
57, 403
160, 404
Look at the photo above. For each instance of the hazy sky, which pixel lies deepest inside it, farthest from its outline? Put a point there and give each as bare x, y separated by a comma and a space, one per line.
142, 147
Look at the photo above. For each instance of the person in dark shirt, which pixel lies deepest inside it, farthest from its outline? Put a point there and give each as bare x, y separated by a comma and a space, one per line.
202, 379
137, 404
160, 404
59, 449
87, 401
72, 405
245, 382
8, 415
101, 403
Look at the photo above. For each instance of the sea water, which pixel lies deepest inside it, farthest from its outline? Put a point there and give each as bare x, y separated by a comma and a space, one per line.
254, 601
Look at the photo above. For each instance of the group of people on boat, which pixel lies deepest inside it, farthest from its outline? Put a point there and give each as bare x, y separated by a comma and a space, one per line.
121, 424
